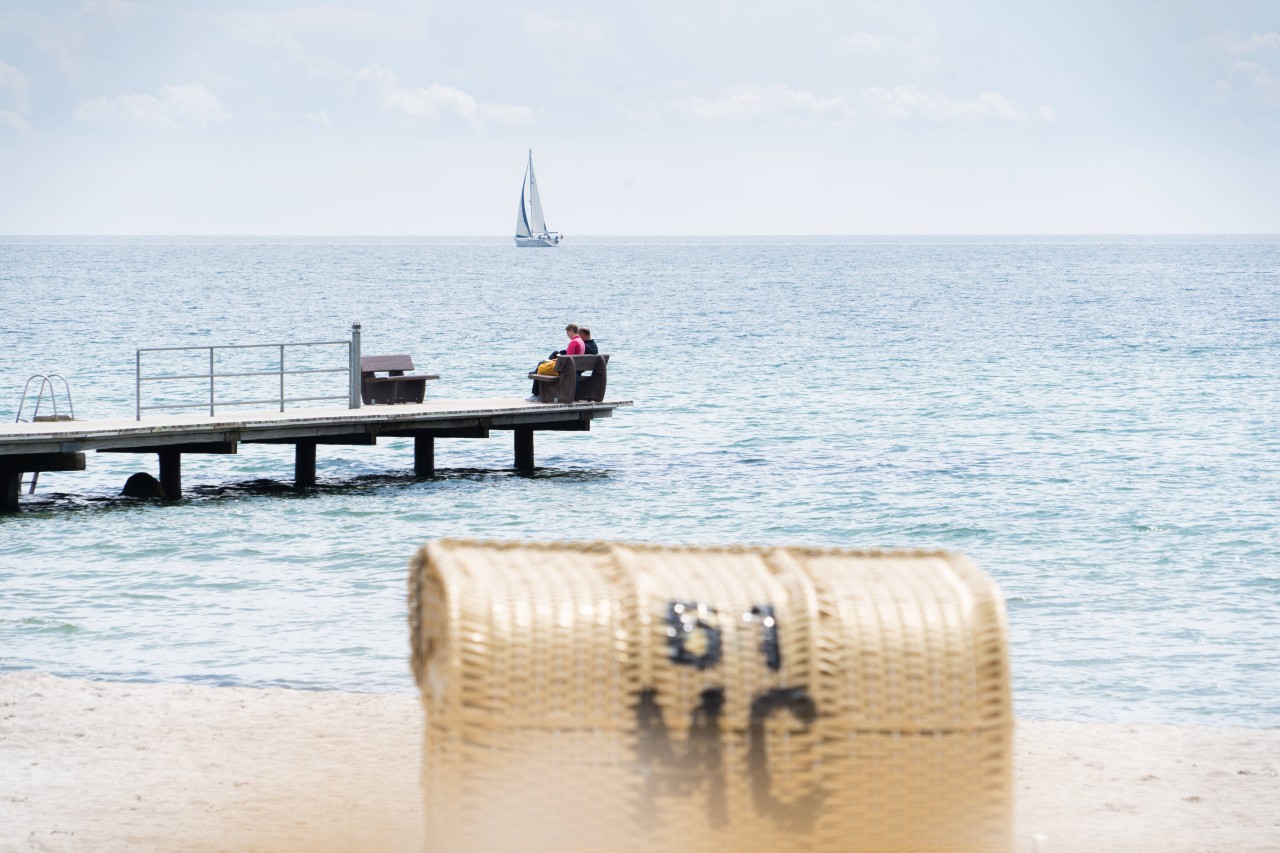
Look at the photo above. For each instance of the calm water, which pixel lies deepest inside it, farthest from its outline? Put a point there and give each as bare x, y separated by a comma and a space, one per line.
1093, 421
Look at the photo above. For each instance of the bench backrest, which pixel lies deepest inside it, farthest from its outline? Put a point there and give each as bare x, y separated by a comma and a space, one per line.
584, 362
377, 363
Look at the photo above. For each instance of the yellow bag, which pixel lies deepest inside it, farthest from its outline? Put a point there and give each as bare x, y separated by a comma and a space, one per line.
547, 368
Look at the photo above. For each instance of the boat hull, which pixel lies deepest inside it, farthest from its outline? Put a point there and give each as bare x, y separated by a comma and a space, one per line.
542, 240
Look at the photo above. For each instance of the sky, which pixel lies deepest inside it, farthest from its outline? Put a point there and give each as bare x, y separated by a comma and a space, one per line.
674, 117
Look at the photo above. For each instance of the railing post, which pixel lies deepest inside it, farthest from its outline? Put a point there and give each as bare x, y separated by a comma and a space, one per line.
210, 381
137, 383
355, 366
282, 377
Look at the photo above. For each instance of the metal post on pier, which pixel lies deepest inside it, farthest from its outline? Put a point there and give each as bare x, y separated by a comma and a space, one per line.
355, 366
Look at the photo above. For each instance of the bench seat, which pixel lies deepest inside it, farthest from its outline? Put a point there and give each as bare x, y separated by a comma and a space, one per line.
581, 377
396, 387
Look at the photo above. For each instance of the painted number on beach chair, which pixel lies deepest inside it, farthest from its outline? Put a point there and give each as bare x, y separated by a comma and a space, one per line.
693, 634
797, 815
763, 613
694, 638
701, 763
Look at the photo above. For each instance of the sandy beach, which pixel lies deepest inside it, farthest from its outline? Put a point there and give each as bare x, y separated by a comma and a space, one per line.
87, 766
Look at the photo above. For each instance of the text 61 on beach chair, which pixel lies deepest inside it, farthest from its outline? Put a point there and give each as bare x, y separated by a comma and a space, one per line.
578, 377
648, 698
395, 387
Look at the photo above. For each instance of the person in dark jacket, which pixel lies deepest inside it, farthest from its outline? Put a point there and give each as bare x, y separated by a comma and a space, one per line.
585, 334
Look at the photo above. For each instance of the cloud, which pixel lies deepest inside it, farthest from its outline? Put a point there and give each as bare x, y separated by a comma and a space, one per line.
1251, 81
577, 29
15, 83
430, 102
899, 103
1236, 45
861, 41
114, 10
1254, 80
268, 32
286, 30
282, 33
13, 120
174, 108
60, 43
335, 20
907, 102
747, 103
286, 33
914, 45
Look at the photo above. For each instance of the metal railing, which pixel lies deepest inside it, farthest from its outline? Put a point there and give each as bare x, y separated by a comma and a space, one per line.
352, 370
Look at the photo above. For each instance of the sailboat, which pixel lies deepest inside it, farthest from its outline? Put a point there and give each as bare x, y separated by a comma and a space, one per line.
531, 226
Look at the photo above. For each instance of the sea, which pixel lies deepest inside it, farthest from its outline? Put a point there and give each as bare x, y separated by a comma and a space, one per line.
1094, 421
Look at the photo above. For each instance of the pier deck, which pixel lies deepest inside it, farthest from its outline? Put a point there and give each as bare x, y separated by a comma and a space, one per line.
61, 445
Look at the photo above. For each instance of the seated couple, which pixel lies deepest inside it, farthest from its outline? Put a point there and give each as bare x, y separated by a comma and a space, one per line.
580, 343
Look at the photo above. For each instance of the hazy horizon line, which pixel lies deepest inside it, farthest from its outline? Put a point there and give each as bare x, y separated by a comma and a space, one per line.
595, 236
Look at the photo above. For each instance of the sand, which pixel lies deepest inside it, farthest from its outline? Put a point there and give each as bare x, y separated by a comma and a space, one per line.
89, 766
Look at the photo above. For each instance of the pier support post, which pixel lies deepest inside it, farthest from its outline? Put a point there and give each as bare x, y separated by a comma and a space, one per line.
171, 473
424, 455
304, 464
10, 486
524, 449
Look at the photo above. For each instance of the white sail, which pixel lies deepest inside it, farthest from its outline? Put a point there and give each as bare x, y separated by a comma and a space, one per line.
522, 217
537, 223
531, 225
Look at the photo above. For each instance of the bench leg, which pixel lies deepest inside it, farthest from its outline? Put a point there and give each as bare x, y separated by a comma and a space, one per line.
304, 464
524, 449
424, 455
171, 474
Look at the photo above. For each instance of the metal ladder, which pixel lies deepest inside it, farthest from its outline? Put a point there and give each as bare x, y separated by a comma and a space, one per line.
46, 383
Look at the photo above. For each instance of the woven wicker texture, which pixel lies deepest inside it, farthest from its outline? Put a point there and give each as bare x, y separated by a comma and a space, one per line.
641, 698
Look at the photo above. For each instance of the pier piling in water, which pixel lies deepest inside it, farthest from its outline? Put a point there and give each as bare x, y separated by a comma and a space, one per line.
14, 465
304, 464
171, 473
524, 449
424, 456
10, 486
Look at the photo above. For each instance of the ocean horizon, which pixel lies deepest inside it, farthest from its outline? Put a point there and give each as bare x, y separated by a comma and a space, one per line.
801, 238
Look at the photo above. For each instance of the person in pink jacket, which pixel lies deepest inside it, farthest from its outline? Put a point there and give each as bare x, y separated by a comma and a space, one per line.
576, 347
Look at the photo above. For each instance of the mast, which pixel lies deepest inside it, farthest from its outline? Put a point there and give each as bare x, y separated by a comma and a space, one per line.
522, 217
537, 223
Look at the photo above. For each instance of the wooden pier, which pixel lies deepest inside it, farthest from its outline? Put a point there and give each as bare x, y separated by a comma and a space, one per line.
61, 445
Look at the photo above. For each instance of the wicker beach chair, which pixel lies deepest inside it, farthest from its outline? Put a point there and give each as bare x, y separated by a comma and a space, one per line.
642, 698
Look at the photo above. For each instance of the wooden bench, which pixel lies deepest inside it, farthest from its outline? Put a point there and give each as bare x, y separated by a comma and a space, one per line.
395, 387
581, 377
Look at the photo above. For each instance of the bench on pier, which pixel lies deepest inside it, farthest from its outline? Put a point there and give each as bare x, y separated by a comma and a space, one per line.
581, 377
396, 386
